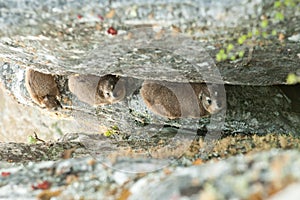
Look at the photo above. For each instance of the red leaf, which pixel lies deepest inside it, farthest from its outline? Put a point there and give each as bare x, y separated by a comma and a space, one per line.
5, 174
112, 31
43, 185
100, 17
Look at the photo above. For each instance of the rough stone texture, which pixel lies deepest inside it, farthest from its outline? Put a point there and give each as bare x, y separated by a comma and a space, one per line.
64, 38
246, 109
255, 176
18, 121
67, 37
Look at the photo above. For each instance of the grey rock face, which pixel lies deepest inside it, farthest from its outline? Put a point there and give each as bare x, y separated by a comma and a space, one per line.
246, 108
88, 178
68, 38
70, 44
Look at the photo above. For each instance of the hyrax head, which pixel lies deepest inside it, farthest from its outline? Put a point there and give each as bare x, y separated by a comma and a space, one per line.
213, 98
110, 89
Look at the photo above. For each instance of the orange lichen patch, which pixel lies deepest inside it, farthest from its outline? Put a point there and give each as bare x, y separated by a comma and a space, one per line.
92, 162
258, 194
279, 180
167, 171
124, 194
71, 179
66, 100
110, 14
276, 186
48, 194
281, 37
198, 162
68, 153
98, 27
176, 29
262, 191
247, 144
151, 15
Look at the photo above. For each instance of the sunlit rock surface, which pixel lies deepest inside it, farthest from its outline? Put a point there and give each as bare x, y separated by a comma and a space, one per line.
71, 37
64, 38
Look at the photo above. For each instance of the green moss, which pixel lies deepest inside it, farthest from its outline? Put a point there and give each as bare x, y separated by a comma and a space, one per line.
221, 55
241, 53
292, 79
242, 39
279, 16
31, 139
274, 32
277, 4
113, 130
230, 47
264, 23
261, 32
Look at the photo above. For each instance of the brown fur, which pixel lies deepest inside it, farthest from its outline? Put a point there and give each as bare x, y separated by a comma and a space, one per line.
178, 100
42, 89
96, 90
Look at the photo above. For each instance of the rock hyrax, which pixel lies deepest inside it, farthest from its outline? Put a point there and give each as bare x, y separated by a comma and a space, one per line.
42, 89
181, 100
96, 90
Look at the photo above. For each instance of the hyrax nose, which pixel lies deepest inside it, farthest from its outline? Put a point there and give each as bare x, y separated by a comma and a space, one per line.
219, 104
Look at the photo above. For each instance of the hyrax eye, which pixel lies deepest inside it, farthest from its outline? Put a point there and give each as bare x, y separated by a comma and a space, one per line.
107, 94
200, 96
208, 100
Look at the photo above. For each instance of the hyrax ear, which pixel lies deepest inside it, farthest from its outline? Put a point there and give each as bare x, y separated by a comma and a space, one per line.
200, 96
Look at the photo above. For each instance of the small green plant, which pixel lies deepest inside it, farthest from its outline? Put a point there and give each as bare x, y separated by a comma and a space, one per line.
229, 51
222, 55
292, 79
31, 139
113, 130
